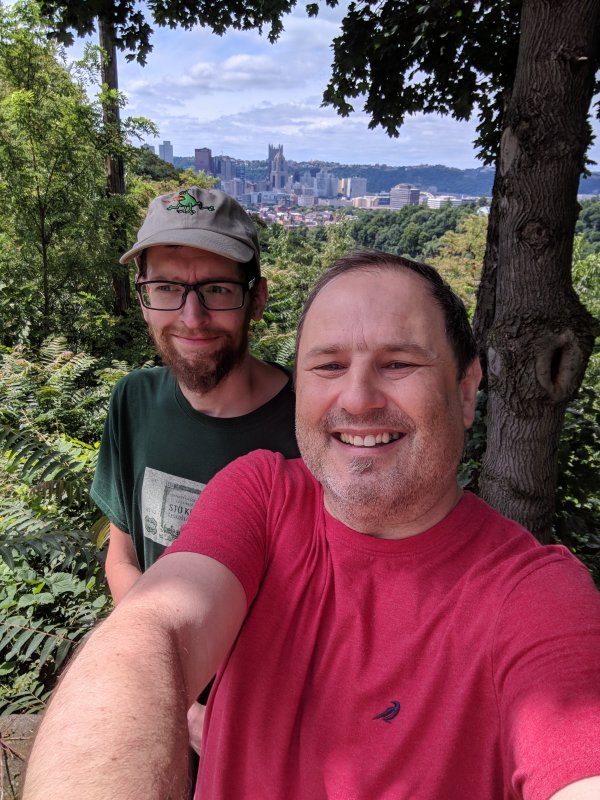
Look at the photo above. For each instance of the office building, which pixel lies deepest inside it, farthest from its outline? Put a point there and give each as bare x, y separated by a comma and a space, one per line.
353, 187
203, 160
403, 194
165, 151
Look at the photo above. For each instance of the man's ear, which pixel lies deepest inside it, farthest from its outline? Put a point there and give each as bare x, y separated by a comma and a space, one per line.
258, 299
469, 384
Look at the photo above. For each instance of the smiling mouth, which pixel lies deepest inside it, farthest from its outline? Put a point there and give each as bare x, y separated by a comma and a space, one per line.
370, 440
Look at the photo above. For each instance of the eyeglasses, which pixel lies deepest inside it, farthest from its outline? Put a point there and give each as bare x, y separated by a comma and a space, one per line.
214, 295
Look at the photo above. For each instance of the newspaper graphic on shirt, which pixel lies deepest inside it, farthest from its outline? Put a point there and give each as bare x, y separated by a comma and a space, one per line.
166, 504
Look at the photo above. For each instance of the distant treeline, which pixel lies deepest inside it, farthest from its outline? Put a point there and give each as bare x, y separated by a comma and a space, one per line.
380, 177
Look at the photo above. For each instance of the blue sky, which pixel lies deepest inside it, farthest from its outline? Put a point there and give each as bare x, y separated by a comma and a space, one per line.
238, 93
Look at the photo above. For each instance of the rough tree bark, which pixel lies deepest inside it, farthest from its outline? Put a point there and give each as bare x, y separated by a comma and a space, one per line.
536, 335
115, 173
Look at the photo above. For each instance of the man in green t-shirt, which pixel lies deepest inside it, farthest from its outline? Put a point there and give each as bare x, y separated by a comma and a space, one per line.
171, 428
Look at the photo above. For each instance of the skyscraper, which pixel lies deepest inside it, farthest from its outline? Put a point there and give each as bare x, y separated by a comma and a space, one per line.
203, 160
165, 151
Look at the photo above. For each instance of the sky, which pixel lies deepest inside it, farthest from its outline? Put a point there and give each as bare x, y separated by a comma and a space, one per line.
236, 94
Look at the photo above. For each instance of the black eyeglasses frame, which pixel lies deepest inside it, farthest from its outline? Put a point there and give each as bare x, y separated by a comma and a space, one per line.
247, 286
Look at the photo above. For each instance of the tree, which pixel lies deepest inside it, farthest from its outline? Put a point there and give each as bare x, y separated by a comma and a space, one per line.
529, 69
48, 151
55, 220
459, 256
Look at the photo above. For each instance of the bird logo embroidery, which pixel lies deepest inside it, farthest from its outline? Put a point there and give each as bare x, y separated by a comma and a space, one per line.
390, 713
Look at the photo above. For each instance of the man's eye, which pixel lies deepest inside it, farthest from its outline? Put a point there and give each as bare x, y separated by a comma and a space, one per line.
216, 288
329, 367
165, 288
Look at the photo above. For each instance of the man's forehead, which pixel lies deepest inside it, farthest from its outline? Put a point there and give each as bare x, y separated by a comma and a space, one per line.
376, 291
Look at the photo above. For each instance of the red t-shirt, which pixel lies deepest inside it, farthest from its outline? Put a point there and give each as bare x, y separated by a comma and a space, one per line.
459, 664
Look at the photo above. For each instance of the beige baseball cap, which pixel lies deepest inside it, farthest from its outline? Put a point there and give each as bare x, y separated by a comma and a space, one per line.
205, 218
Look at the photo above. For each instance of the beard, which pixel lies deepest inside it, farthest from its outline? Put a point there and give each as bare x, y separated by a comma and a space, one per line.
366, 495
202, 372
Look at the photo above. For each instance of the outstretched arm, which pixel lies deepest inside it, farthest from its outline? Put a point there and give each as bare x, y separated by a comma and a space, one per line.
116, 727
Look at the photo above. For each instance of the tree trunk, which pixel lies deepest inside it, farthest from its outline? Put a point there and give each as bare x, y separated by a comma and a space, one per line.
115, 173
541, 337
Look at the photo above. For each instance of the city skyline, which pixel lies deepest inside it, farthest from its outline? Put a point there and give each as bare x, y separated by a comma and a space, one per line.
237, 93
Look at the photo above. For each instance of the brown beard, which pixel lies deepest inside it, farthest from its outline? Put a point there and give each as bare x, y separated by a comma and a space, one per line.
203, 373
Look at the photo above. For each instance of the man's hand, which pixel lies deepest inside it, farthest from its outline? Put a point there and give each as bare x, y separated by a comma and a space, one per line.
195, 721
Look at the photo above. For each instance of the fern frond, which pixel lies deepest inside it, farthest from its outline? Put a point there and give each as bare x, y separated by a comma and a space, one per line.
37, 460
52, 349
23, 532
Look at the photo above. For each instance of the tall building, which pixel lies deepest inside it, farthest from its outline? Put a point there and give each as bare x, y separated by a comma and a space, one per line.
353, 187
165, 151
234, 187
326, 184
225, 167
149, 147
278, 170
203, 160
403, 194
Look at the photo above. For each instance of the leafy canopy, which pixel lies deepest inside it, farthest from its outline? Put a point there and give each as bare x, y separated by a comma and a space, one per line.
406, 56
132, 32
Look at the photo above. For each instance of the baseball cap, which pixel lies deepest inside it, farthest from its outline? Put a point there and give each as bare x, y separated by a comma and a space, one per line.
205, 218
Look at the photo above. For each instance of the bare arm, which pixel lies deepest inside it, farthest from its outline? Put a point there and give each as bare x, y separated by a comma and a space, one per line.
122, 568
116, 727
587, 789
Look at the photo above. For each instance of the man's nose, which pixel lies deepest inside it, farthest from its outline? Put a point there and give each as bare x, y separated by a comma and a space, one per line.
361, 390
193, 311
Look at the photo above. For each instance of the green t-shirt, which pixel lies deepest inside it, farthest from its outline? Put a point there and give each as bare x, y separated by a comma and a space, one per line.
158, 453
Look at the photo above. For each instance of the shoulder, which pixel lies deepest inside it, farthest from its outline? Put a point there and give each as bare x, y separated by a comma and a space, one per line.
271, 467
512, 564
264, 478
143, 382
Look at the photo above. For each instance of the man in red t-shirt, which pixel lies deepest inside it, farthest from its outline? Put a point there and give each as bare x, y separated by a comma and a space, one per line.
405, 640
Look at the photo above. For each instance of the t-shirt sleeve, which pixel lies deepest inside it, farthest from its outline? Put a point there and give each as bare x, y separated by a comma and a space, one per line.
230, 519
107, 490
547, 671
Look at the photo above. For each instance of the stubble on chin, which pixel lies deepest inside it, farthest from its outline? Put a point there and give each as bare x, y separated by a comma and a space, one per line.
369, 498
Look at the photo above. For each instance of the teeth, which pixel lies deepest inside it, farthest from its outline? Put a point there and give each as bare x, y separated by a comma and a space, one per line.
370, 440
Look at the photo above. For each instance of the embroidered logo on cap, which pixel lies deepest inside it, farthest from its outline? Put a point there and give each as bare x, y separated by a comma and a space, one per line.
186, 204
390, 713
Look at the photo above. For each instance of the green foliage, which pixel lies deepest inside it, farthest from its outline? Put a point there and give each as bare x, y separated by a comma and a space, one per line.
53, 405
460, 255
414, 231
57, 248
588, 225
577, 523
291, 262
148, 165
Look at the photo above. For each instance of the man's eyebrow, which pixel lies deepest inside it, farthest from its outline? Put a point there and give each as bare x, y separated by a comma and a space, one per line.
408, 347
